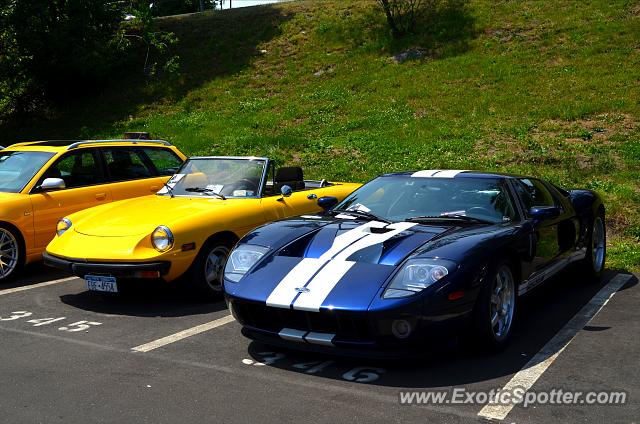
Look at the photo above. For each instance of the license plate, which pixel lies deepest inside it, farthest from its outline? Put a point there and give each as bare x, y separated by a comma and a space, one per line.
101, 283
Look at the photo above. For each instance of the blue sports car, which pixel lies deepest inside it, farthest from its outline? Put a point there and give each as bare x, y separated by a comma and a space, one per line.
411, 256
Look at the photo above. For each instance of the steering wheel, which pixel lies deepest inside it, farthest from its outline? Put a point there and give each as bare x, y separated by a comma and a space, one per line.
479, 210
243, 184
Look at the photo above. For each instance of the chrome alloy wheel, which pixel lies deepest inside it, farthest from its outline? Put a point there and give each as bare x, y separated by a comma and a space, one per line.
214, 267
597, 244
8, 253
502, 303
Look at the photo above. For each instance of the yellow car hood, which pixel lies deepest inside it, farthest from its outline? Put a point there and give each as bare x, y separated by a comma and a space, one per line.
141, 215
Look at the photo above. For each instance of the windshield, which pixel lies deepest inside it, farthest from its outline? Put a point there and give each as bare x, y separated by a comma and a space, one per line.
18, 168
398, 198
217, 177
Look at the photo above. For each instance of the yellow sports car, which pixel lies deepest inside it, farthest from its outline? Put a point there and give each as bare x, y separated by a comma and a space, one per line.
42, 181
188, 227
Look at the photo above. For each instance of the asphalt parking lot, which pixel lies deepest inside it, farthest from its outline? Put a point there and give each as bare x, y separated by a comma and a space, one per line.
159, 355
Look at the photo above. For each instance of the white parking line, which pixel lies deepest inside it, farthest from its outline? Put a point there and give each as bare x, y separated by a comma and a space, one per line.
183, 334
529, 374
35, 286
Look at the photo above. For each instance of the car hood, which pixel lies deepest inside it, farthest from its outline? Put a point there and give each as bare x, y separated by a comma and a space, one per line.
140, 215
340, 265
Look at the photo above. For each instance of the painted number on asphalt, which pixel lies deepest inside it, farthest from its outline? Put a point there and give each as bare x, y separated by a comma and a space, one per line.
363, 374
38, 322
357, 374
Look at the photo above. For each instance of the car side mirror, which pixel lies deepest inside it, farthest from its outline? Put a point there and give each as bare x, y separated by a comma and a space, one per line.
327, 202
286, 191
544, 213
51, 184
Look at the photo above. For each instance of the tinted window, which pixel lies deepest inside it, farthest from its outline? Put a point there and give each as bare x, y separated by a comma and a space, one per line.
77, 169
165, 161
534, 193
126, 164
18, 168
401, 197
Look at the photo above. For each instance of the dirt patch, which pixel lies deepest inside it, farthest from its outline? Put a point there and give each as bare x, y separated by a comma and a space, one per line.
599, 128
507, 34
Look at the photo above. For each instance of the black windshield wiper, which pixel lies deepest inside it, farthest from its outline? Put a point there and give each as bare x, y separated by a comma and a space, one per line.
204, 190
169, 189
449, 218
361, 214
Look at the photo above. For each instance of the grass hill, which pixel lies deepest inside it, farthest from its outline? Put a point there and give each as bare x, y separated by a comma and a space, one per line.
549, 88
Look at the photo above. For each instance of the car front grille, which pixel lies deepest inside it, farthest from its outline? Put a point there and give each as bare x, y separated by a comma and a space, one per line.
345, 324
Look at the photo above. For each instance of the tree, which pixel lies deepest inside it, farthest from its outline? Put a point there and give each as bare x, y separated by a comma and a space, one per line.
51, 49
402, 15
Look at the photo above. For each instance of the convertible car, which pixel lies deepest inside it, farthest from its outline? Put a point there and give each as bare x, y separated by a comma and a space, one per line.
411, 257
188, 227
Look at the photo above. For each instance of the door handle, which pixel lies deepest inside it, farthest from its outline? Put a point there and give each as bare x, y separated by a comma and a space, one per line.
312, 196
101, 196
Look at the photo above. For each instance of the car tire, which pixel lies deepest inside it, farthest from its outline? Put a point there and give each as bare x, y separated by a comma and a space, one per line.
205, 274
593, 264
11, 253
495, 309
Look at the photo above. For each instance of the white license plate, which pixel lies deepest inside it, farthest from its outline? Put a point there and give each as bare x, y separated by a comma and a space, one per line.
101, 283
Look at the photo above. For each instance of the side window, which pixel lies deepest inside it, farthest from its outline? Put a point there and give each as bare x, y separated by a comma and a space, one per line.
126, 164
77, 169
534, 193
165, 161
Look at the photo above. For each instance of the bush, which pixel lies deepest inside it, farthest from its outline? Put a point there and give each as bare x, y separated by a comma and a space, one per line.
403, 15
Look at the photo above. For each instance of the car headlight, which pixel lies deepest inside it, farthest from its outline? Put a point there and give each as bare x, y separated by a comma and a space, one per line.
416, 275
162, 239
242, 259
63, 225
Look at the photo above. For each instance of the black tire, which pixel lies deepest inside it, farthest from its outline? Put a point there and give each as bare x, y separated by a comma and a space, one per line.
11, 253
593, 264
198, 275
485, 332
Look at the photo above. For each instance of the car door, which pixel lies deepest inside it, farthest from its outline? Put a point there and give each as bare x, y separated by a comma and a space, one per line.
276, 206
85, 187
546, 243
131, 172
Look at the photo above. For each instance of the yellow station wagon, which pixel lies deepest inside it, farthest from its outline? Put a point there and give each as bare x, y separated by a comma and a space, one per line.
190, 226
43, 181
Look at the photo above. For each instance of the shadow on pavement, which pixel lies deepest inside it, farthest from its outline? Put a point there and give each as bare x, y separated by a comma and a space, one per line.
34, 273
541, 315
146, 299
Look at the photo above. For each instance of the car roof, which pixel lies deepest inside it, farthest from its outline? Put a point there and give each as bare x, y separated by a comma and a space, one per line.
452, 173
231, 157
56, 146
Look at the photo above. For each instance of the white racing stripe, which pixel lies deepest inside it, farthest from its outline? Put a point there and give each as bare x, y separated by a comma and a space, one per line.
183, 334
437, 173
321, 285
349, 237
327, 279
321, 275
35, 286
529, 374
285, 292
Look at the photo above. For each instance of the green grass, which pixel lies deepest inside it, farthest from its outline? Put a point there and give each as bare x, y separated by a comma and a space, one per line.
539, 87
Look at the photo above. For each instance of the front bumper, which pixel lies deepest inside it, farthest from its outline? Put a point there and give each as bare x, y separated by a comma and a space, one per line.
81, 267
346, 333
